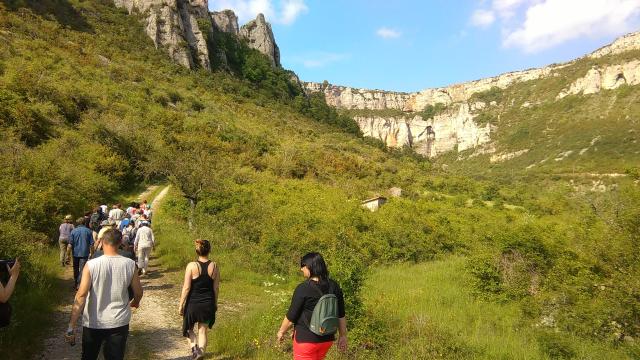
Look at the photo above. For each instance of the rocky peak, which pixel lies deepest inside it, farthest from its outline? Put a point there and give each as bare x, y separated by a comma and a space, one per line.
173, 26
260, 37
225, 21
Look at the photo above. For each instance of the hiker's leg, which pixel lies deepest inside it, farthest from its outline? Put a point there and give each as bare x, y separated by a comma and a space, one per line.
193, 339
91, 341
68, 253
147, 254
116, 343
76, 266
140, 258
63, 250
202, 336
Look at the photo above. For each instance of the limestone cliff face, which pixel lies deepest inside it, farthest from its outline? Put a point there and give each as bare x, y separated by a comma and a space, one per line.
351, 98
620, 45
452, 130
456, 129
173, 26
260, 37
225, 21
608, 77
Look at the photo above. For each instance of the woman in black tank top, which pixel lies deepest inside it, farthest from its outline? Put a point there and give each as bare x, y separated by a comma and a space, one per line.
199, 300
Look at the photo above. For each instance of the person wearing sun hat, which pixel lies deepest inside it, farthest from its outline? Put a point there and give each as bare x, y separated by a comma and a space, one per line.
63, 240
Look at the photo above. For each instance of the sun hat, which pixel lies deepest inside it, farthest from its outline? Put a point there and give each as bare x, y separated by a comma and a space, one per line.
68, 217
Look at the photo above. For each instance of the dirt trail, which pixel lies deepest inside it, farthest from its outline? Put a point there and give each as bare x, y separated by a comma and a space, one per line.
155, 328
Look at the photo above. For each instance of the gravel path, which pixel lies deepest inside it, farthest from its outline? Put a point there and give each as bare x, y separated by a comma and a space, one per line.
155, 329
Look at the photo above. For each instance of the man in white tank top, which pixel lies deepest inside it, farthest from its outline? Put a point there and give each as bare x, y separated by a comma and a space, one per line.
107, 312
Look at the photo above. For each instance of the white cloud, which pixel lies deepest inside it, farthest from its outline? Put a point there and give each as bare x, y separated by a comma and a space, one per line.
291, 9
482, 18
319, 59
552, 22
286, 12
387, 33
507, 8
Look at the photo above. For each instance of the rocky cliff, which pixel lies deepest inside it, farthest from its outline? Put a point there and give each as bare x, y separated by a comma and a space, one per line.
456, 128
173, 26
225, 21
259, 36
352, 98
607, 78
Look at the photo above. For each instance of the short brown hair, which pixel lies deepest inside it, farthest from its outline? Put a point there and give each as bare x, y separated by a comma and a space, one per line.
111, 237
80, 221
203, 247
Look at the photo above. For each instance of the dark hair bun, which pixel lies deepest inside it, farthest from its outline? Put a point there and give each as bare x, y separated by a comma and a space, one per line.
203, 247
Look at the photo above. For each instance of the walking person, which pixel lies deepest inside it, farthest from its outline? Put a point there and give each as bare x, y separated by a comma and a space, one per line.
315, 326
81, 240
104, 302
117, 214
63, 240
199, 299
143, 244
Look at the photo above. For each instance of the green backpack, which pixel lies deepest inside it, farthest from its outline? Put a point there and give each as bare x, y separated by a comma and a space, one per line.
324, 320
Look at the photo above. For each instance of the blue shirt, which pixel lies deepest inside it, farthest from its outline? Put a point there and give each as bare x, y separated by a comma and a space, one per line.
81, 239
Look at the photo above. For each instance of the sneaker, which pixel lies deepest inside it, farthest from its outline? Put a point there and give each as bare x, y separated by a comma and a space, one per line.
144, 272
194, 352
199, 353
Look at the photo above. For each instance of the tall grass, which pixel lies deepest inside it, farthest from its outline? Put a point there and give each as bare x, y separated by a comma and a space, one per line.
430, 312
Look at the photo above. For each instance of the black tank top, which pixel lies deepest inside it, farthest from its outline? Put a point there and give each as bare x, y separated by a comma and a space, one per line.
202, 286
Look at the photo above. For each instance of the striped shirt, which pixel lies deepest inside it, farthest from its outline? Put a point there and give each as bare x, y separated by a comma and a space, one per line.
107, 304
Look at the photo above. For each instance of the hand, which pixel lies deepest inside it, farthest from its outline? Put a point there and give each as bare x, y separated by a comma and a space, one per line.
70, 336
134, 304
280, 336
342, 343
15, 269
181, 310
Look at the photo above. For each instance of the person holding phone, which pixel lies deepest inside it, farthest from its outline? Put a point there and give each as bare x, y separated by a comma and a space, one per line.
7, 290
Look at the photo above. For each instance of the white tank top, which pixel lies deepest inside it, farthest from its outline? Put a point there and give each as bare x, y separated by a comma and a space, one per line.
107, 305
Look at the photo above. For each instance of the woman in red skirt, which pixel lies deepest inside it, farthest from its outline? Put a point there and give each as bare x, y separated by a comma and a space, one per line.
307, 345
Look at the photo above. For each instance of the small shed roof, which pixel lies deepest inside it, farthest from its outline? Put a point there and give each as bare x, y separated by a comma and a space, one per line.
374, 199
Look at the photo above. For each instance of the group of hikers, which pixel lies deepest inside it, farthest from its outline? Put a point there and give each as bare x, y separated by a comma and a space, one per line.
104, 247
84, 240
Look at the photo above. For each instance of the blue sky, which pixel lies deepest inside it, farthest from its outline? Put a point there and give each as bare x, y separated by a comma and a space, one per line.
404, 45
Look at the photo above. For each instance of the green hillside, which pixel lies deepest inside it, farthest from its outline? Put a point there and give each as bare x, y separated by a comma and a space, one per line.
90, 111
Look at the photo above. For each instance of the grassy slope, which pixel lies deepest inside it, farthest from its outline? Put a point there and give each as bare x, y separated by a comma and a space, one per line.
435, 315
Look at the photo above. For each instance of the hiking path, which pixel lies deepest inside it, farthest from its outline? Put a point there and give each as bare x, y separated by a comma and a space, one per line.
155, 328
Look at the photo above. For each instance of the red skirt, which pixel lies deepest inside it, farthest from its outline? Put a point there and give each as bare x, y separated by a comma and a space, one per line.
310, 351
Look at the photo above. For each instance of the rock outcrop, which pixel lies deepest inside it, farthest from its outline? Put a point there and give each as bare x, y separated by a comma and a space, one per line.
225, 21
607, 78
173, 26
260, 37
620, 45
352, 98
452, 130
